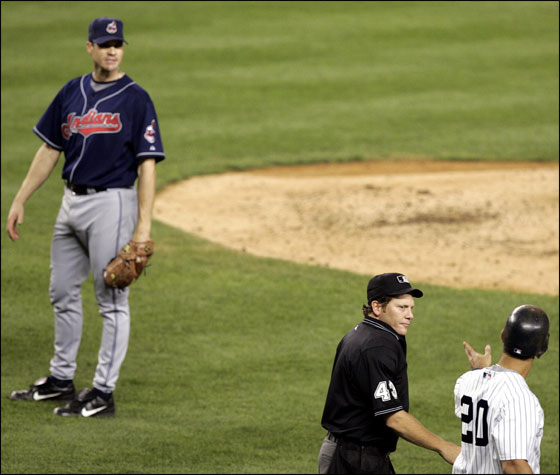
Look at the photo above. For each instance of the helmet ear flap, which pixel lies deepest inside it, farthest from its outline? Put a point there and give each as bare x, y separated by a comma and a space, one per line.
544, 347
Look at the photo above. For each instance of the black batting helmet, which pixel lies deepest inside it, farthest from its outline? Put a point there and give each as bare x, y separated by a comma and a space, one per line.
526, 332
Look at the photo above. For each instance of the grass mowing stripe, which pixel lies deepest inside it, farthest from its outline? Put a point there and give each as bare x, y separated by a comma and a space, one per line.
245, 96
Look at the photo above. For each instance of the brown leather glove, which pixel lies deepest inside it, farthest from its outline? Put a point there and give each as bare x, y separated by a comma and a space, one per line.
128, 264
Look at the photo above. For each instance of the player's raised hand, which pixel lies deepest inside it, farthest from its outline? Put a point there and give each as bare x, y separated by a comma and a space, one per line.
477, 360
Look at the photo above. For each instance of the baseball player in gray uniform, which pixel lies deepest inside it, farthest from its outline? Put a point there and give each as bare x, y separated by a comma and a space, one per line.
107, 127
501, 419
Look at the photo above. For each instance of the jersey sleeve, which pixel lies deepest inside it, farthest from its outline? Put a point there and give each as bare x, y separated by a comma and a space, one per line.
147, 141
458, 394
384, 373
49, 127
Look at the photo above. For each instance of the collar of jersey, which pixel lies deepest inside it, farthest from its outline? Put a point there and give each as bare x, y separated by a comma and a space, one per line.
373, 322
114, 81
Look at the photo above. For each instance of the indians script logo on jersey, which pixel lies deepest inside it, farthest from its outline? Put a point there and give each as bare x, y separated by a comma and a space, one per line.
91, 123
150, 134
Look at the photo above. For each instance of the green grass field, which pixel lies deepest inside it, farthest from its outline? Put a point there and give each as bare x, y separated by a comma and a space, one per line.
230, 355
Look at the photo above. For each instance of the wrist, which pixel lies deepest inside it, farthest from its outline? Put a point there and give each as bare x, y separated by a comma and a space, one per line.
140, 237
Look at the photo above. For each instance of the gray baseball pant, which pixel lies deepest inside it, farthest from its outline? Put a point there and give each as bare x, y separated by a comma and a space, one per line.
89, 231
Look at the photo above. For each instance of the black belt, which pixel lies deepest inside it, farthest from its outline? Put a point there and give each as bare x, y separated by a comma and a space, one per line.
349, 444
84, 190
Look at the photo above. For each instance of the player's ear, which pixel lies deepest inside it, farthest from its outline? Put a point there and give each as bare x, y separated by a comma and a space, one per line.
502, 335
89, 47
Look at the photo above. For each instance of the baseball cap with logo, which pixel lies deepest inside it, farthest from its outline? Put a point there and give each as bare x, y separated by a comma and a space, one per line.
390, 285
102, 30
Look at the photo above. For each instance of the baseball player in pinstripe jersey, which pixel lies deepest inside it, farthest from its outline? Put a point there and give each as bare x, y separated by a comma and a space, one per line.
107, 127
501, 419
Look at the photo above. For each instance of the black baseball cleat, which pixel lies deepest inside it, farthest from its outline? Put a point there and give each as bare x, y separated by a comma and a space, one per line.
87, 404
44, 389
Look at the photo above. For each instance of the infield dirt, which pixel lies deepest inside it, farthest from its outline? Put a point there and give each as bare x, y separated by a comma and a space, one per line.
460, 224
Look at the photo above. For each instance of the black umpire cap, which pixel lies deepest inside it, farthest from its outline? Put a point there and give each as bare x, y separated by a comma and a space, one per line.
391, 285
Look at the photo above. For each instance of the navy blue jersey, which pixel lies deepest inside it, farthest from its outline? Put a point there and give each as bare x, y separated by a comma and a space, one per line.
369, 380
104, 133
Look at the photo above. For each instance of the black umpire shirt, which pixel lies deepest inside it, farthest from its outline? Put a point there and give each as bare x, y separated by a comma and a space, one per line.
368, 381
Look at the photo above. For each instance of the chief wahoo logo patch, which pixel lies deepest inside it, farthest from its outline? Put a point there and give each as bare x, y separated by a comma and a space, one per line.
150, 134
112, 27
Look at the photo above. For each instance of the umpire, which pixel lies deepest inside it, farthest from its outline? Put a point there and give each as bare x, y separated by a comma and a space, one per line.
367, 402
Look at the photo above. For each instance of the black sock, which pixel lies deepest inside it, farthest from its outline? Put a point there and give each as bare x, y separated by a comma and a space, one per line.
101, 394
61, 383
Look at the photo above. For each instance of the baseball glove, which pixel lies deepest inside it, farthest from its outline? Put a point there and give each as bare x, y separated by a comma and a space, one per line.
128, 264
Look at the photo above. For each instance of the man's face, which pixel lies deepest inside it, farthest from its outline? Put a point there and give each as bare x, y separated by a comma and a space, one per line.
107, 56
397, 313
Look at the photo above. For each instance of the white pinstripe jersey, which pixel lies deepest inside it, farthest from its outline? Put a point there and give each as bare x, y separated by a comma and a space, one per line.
501, 419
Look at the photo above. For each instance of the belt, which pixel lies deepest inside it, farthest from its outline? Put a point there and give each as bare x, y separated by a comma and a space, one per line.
371, 449
331, 437
84, 190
